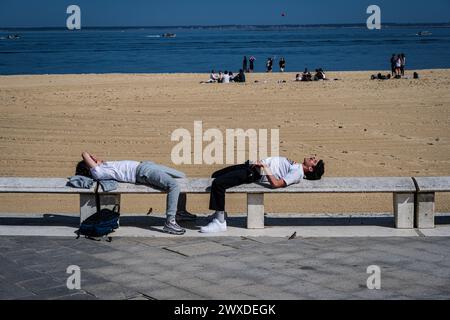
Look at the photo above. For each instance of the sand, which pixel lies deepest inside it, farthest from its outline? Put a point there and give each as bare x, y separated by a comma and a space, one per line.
360, 127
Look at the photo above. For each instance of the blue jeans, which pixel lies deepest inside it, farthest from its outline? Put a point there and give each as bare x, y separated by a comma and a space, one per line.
152, 174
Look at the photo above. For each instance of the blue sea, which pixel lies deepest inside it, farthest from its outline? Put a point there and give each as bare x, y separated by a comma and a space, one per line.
200, 49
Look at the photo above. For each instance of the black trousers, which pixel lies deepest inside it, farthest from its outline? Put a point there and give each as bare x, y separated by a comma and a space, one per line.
227, 178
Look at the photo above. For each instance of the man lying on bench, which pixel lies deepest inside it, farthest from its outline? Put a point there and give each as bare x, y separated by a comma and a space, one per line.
278, 171
148, 173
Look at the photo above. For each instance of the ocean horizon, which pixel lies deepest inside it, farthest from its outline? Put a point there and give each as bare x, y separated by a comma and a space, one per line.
200, 49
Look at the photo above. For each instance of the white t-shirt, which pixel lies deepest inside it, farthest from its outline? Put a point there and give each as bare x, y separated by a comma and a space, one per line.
283, 168
122, 171
226, 78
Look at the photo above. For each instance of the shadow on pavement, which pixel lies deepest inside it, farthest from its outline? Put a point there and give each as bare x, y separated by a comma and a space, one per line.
241, 221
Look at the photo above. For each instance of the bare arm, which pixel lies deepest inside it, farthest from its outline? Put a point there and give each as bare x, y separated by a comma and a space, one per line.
274, 182
90, 159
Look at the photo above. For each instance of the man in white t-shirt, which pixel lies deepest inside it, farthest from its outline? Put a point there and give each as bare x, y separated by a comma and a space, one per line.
279, 172
226, 78
146, 172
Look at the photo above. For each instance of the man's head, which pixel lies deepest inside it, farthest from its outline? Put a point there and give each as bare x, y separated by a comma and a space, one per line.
83, 169
313, 168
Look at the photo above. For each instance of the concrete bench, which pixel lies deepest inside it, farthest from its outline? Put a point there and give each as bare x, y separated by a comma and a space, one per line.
402, 188
50, 185
425, 203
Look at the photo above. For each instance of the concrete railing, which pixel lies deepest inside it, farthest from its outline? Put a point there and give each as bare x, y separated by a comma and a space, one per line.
413, 198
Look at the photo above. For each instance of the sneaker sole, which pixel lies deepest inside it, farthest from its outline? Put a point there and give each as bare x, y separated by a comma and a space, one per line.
215, 231
173, 231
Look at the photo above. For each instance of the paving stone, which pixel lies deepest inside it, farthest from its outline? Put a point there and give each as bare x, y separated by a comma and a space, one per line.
108, 272
374, 294
302, 287
188, 283
39, 284
327, 294
200, 248
56, 292
423, 293
174, 293
216, 292
110, 291
11, 291
78, 296
306, 268
145, 286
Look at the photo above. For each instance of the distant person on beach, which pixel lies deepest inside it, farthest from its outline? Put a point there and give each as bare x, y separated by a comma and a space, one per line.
278, 172
240, 77
402, 64
306, 75
213, 77
298, 77
393, 62
231, 76
220, 77
244, 64
380, 76
398, 67
320, 75
226, 77
269, 64
252, 63
282, 64
148, 173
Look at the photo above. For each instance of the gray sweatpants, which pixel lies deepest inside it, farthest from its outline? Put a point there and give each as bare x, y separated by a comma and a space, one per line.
152, 174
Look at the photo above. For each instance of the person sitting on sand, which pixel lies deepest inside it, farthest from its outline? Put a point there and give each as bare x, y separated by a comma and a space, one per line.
148, 173
231, 76
226, 77
306, 75
220, 77
240, 77
279, 172
320, 75
298, 77
380, 76
213, 77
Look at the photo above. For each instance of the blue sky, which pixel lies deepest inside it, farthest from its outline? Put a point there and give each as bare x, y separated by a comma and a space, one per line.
52, 13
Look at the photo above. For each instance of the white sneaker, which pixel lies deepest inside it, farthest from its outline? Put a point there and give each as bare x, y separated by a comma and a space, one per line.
213, 215
214, 226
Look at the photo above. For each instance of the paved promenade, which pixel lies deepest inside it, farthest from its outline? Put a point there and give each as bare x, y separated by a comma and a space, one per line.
325, 260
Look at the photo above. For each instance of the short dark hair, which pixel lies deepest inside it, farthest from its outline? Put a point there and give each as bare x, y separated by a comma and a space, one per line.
317, 172
83, 169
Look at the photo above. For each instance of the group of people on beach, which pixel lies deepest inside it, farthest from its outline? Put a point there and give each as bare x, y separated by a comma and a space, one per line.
276, 172
281, 64
225, 77
398, 63
307, 76
248, 66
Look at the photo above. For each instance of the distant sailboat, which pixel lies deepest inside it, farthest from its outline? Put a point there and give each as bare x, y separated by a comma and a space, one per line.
168, 35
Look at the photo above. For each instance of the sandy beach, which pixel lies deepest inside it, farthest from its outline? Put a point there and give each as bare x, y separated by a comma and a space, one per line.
360, 127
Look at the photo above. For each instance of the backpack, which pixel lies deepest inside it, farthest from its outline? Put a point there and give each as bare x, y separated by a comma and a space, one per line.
101, 223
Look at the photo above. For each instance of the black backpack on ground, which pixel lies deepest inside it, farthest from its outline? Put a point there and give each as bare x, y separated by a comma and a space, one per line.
100, 224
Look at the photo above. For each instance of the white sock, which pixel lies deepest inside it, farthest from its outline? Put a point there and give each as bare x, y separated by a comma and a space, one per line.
220, 215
